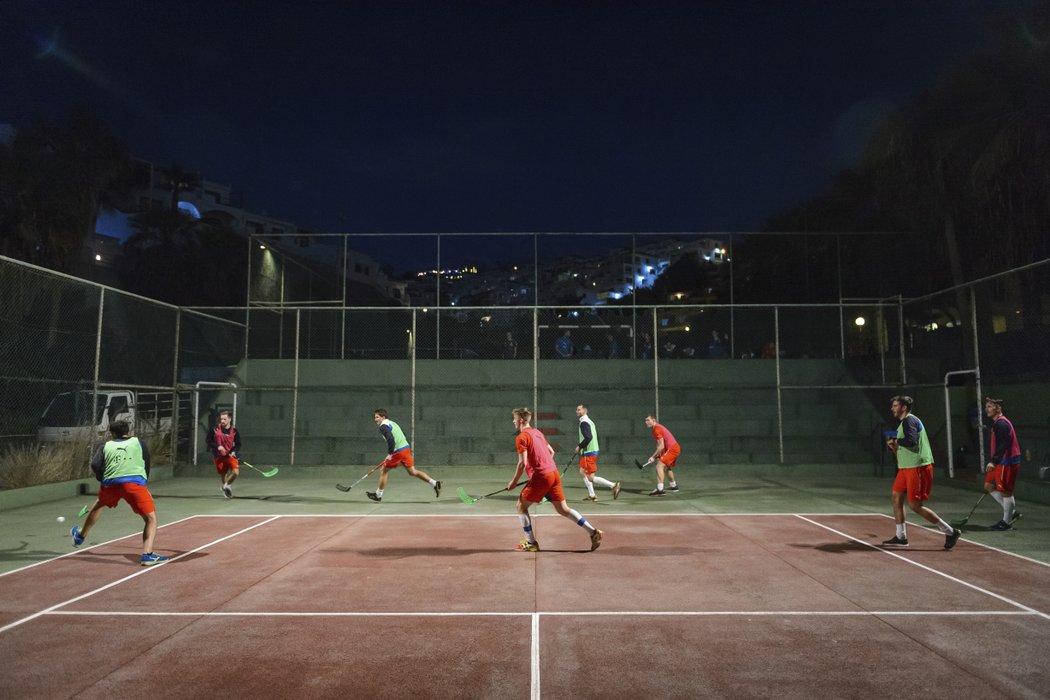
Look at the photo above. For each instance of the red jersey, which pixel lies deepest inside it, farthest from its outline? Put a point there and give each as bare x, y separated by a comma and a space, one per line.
661, 432
538, 457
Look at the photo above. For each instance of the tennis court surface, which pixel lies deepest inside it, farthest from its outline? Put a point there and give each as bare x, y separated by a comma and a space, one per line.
672, 605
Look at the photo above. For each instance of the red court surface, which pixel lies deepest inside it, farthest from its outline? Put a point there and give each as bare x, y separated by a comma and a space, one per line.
437, 607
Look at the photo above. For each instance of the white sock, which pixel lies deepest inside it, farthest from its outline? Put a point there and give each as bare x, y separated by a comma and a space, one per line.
674, 484
433, 482
1009, 507
526, 525
660, 486
902, 531
603, 482
998, 496
944, 527
379, 492
589, 485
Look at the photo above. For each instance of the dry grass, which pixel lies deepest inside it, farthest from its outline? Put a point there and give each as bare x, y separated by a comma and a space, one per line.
45, 463
50, 463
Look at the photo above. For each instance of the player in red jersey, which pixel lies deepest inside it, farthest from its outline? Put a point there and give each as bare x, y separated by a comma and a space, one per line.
665, 455
536, 460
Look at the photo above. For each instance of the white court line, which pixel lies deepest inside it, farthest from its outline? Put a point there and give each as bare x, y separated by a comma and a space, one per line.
535, 663
536, 615
145, 570
86, 549
975, 587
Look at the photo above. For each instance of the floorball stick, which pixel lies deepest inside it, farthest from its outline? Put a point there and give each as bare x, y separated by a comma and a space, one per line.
268, 473
960, 523
643, 466
84, 511
347, 488
470, 500
571, 457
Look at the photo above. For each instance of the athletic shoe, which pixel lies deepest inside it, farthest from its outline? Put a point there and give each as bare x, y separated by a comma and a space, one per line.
437, 490
657, 492
672, 488
1015, 517
896, 542
152, 558
616, 490
373, 496
227, 492
952, 537
596, 539
526, 546
590, 498
78, 539
1002, 526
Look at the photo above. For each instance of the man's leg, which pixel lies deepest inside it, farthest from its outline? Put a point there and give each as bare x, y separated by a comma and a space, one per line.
149, 531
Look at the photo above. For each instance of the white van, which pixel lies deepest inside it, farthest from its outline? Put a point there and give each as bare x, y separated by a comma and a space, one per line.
71, 417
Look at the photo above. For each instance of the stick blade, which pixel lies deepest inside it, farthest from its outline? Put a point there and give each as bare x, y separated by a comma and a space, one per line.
462, 493
639, 464
342, 488
84, 511
272, 472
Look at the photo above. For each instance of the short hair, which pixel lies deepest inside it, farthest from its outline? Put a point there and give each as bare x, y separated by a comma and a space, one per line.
997, 402
523, 414
381, 412
226, 412
119, 428
650, 415
583, 406
905, 401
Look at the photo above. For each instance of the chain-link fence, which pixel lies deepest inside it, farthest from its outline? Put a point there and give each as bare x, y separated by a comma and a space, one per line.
305, 379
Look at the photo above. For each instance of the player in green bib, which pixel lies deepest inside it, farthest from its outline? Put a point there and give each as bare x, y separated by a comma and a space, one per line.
398, 453
914, 455
587, 448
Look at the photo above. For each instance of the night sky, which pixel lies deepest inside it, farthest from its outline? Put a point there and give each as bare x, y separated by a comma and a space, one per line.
490, 116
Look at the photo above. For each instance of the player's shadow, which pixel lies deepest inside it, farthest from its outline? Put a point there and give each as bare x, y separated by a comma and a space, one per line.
839, 547
405, 552
123, 557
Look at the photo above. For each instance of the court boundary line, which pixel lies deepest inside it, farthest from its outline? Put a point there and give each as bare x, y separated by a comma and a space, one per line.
930, 569
274, 516
556, 613
77, 550
111, 584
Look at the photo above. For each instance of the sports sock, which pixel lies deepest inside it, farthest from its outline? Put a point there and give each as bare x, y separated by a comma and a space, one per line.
660, 487
589, 485
581, 521
526, 525
944, 527
379, 492
433, 482
998, 496
674, 484
1009, 507
603, 482
902, 531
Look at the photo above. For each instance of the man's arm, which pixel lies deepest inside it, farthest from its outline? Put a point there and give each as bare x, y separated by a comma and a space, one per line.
389, 435
98, 463
659, 449
145, 454
911, 432
1002, 441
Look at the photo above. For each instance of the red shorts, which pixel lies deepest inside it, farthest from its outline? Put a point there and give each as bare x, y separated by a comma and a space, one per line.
915, 482
398, 458
226, 463
671, 455
541, 485
589, 463
136, 495
1004, 476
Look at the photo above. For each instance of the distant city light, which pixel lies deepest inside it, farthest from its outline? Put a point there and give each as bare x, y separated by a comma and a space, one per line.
859, 321
98, 258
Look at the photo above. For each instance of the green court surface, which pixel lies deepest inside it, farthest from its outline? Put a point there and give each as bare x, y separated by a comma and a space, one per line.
31, 534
